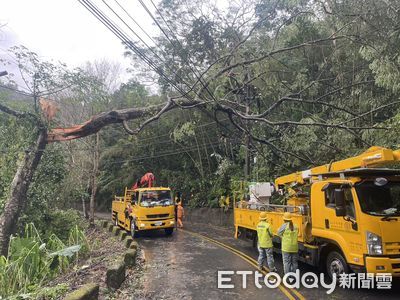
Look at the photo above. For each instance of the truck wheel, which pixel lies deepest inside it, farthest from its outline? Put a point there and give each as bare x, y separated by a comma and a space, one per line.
134, 232
336, 264
169, 231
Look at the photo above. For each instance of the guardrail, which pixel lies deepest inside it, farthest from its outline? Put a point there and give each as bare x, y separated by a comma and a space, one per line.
301, 209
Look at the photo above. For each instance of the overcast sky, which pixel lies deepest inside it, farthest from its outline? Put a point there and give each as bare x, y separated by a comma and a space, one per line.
64, 30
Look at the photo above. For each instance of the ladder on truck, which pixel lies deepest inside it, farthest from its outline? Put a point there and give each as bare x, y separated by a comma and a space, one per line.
373, 157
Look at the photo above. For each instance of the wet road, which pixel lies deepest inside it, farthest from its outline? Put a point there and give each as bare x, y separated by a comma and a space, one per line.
226, 236
184, 266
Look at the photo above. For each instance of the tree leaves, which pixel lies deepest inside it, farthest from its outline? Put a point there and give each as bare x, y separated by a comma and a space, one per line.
67, 252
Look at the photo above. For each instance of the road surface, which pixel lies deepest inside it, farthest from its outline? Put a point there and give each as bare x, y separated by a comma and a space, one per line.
185, 266
226, 236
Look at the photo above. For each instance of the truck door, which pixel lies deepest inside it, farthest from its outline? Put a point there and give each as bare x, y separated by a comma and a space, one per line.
135, 204
129, 209
346, 228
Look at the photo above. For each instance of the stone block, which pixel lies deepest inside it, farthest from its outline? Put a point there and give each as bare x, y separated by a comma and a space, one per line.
86, 292
130, 257
115, 275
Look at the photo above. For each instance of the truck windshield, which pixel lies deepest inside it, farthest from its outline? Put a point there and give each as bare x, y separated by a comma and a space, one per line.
156, 198
379, 200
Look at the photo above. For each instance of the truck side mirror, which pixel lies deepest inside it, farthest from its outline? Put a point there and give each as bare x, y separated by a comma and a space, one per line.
340, 205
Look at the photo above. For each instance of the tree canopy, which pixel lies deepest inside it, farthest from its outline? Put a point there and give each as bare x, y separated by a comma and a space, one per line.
253, 90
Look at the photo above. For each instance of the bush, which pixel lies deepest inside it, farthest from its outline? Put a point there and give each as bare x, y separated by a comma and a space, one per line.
62, 222
57, 221
30, 261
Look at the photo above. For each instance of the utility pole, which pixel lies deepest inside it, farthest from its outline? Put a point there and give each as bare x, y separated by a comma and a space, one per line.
247, 146
256, 166
247, 137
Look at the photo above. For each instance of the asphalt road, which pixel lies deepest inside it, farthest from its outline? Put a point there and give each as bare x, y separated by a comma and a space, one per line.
226, 236
185, 265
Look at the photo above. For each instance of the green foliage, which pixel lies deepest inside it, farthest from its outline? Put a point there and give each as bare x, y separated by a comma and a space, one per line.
334, 83
31, 262
322, 74
77, 237
53, 292
45, 192
186, 130
15, 137
39, 253
58, 222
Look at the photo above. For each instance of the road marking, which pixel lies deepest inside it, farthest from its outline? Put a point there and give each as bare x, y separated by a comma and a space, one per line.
251, 261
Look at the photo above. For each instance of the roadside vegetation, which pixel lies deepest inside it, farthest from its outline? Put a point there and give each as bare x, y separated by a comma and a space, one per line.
32, 261
249, 92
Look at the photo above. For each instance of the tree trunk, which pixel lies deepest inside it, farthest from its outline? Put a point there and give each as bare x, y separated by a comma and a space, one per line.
88, 192
19, 188
85, 215
94, 180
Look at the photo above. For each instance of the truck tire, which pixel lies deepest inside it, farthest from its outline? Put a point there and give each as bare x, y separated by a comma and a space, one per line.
336, 264
169, 231
134, 232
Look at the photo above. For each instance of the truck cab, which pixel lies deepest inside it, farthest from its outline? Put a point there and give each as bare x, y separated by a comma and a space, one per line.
358, 220
144, 209
349, 217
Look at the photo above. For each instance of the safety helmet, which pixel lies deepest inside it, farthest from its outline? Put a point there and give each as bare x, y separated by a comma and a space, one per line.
263, 216
287, 216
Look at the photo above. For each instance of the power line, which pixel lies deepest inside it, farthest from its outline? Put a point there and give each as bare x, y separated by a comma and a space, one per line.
147, 46
166, 35
165, 154
125, 145
15, 90
137, 24
130, 28
194, 148
155, 20
181, 46
119, 33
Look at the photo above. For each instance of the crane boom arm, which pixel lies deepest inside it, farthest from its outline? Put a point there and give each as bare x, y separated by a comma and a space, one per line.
374, 156
147, 180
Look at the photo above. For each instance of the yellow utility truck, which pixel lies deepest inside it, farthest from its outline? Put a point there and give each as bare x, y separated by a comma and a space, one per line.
144, 208
348, 213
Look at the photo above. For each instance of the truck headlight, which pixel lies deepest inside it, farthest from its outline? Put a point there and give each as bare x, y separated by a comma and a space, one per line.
374, 243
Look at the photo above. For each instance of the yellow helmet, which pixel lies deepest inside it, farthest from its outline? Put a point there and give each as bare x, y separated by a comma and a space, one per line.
263, 216
287, 216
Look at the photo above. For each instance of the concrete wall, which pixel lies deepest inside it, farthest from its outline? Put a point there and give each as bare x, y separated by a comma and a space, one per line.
213, 216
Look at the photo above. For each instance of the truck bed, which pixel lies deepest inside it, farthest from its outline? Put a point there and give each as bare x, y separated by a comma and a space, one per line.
249, 218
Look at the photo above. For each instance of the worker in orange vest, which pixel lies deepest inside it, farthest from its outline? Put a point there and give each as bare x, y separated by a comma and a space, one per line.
181, 214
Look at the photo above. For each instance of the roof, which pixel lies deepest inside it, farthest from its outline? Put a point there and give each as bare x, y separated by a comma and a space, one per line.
362, 172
